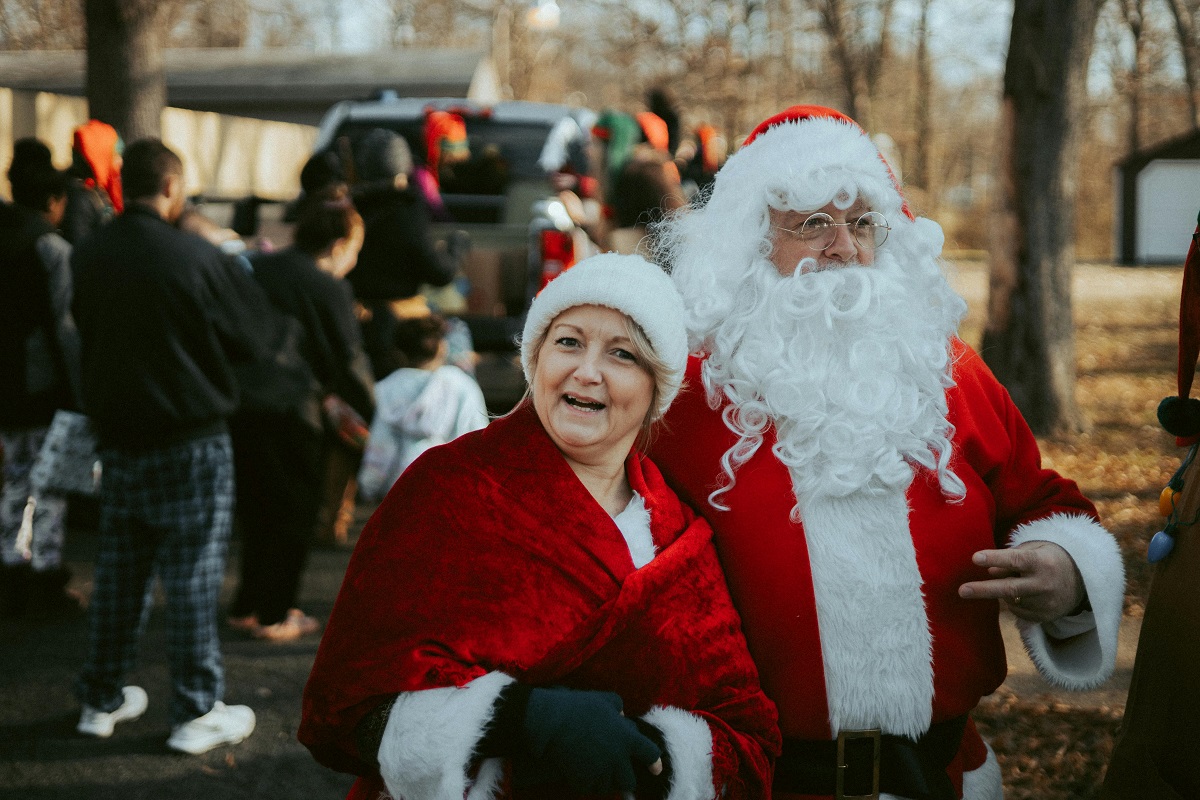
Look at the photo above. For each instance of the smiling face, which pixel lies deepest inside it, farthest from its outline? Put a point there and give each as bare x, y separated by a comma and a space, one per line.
788, 248
589, 390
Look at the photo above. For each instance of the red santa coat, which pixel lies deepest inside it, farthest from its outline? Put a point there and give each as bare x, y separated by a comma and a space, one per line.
489, 559
767, 563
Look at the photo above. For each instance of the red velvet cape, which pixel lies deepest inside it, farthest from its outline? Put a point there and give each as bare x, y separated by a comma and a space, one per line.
489, 555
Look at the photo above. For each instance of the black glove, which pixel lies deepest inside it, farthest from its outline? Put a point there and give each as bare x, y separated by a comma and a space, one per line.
572, 736
651, 786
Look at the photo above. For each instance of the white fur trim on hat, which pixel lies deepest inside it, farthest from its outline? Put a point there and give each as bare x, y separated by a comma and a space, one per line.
816, 159
630, 284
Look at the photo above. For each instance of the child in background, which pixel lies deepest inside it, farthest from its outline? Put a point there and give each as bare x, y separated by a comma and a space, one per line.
423, 404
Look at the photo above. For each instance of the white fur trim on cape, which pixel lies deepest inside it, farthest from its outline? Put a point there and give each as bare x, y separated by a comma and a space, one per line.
630, 284
1086, 659
984, 782
431, 736
689, 743
634, 524
868, 595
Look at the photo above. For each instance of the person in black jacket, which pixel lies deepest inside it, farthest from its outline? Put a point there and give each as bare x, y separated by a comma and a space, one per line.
398, 254
39, 373
161, 321
280, 451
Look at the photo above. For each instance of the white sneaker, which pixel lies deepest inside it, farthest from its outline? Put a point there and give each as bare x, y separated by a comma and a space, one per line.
223, 725
94, 722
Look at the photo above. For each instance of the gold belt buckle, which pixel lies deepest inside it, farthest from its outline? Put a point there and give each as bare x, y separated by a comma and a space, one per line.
845, 736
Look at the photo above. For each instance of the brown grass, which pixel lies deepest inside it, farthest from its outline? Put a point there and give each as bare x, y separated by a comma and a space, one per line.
1126, 339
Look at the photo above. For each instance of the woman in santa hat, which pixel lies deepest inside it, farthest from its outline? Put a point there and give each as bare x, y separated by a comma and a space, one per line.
532, 612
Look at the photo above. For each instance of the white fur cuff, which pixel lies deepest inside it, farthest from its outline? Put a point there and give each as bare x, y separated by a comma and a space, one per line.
690, 745
431, 736
1086, 659
984, 782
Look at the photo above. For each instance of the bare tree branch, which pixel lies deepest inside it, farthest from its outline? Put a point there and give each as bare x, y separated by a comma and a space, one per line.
1186, 16
922, 102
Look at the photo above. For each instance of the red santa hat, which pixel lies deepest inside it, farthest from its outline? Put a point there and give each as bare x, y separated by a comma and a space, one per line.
848, 135
799, 160
821, 150
630, 284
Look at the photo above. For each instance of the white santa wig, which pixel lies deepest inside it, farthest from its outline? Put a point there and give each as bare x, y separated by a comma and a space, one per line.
718, 254
798, 160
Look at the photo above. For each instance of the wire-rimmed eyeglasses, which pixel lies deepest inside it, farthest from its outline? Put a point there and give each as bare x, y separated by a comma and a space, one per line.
819, 231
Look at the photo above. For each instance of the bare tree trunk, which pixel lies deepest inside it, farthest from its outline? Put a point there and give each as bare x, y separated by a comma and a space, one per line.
1189, 45
502, 47
918, 175
874, 56
126, 86
1132, 10
860, 60
833, 22
1029, 340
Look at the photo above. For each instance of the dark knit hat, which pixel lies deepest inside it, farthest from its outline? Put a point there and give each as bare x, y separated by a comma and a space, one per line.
381, 155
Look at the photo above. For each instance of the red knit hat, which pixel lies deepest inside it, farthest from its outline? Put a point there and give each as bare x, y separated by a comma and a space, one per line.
445, 134
798, 114
97, 144
654, 129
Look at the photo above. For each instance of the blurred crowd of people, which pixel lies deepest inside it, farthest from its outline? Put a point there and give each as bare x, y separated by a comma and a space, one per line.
236, 389
345, 305
643, 165
228, 386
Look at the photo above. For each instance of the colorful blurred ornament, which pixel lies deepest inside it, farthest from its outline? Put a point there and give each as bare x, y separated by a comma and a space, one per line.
1166, 501
1161, 545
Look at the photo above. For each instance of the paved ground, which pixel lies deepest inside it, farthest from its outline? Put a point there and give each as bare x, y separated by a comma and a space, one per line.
41, 757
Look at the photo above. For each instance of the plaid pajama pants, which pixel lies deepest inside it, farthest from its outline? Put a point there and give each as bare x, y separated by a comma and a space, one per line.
166, 511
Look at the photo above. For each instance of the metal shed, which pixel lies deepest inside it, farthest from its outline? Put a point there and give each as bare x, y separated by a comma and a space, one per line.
1158, 195
285, 85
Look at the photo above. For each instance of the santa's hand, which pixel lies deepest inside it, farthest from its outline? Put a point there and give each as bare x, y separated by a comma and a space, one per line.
1038, 580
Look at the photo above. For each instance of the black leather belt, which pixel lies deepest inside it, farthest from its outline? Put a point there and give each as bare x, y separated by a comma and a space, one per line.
861, 764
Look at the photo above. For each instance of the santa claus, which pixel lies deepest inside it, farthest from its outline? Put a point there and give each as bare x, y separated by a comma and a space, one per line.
873, 488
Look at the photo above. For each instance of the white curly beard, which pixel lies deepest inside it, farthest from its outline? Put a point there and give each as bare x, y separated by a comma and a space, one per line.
850, 365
